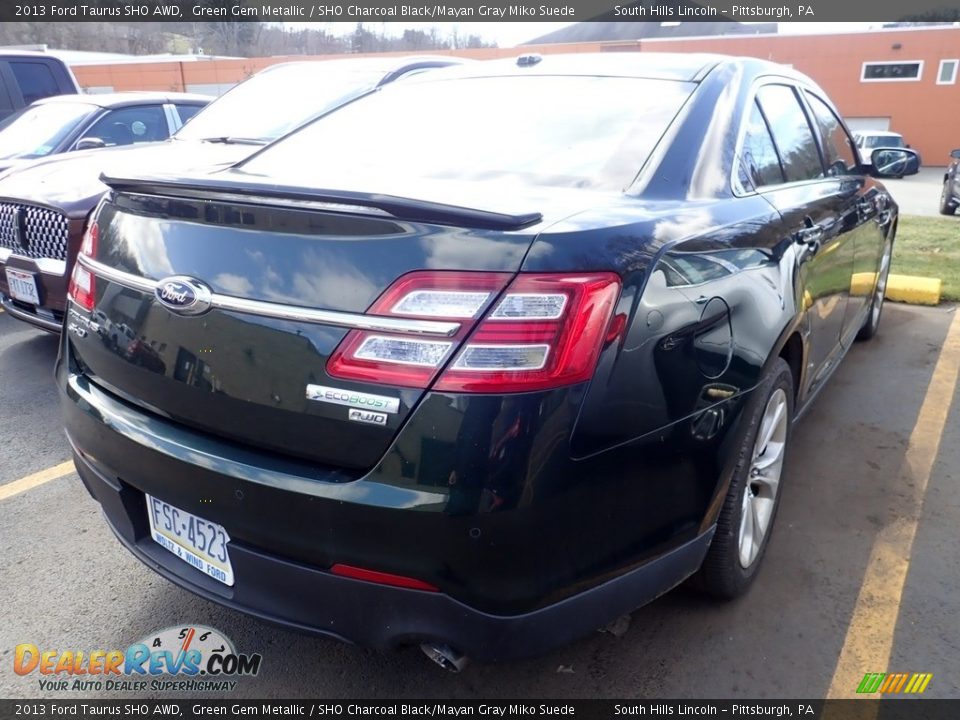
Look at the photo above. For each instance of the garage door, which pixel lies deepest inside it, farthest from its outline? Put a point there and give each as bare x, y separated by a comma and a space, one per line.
868, 123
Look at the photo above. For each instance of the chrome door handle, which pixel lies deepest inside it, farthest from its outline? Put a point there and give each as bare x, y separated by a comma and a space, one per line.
810, 235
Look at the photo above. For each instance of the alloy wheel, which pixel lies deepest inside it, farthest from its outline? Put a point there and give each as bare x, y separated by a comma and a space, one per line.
946, 206
763, 482
881, 290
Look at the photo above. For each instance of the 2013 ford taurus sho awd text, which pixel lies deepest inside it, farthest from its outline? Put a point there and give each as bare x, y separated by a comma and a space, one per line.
484, 360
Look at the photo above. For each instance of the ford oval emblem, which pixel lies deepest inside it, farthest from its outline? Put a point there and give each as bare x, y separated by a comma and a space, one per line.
184, 295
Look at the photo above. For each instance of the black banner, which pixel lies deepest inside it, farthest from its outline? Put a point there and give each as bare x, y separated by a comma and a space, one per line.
480, 11
899, 709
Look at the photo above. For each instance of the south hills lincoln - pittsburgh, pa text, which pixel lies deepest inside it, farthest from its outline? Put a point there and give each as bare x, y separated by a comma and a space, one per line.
665, 11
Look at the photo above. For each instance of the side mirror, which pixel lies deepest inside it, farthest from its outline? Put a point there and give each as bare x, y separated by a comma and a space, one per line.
90, 143
894, 162
955, 154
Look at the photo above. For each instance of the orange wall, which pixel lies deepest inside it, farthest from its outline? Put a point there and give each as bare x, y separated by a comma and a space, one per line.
924, 112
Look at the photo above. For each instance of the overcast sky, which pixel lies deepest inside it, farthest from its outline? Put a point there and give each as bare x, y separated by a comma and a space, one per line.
507, 34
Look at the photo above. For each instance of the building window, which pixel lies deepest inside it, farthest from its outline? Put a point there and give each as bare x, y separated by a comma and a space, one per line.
909, 71
947, 75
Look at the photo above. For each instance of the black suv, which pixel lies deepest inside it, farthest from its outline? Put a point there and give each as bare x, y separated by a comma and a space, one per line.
950, 197
26, 77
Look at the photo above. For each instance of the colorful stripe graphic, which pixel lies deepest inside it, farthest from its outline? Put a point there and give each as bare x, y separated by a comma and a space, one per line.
913, 683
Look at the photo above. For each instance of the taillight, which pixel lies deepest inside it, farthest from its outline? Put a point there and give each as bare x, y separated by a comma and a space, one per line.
544, 330
82, 287
83, 283
413, 360
90, 239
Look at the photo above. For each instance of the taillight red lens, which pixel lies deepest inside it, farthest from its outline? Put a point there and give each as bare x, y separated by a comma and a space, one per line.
544, 331
414, 360
82, 287
90, 238
83, 283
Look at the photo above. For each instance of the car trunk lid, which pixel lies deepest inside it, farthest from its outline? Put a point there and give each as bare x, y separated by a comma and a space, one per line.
291, 270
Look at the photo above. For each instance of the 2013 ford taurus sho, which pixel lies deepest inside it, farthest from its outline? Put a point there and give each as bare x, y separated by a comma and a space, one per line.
483, 360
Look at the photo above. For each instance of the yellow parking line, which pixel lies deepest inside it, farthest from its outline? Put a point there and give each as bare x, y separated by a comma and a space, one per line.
869, 638
38, 478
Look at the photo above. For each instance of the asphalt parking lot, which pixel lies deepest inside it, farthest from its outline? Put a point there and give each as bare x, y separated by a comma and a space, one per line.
861, 575
918, 194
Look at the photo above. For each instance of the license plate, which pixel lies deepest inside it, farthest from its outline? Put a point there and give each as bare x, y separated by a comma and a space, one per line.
199, 543
22, 286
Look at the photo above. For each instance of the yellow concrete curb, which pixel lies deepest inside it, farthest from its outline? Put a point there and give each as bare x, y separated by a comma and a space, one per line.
913, 289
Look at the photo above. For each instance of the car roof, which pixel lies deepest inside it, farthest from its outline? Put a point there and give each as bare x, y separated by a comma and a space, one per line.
383, 64
684, 67
881, 133
4, 54
124, 99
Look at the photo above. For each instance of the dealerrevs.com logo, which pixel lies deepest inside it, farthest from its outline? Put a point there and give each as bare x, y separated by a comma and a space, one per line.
190, 658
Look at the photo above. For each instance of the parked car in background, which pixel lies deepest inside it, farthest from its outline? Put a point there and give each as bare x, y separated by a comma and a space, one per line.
84, 122
950, 196
26, 77
869, 140
55, 197
484, 360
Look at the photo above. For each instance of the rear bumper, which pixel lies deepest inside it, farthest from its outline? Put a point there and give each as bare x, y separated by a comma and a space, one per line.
122, 453
44, 322
313, 600
51, 280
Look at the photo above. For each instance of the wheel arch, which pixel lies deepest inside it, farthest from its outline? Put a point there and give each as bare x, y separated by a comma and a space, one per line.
792, 351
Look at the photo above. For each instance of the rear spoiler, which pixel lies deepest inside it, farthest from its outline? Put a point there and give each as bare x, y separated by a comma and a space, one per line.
360, 203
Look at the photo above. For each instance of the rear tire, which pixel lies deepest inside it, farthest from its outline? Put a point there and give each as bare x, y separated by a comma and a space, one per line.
750, 508
872, 324
947, 206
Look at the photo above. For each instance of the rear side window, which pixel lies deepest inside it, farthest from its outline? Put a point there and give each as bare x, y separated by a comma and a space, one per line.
791, 133
576, 132
884, 141
6, 102
838, 149
759, 164
35, 79
187, 111
126, 126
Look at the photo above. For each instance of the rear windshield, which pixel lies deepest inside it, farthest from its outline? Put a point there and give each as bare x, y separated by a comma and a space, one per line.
275, 102
583, 132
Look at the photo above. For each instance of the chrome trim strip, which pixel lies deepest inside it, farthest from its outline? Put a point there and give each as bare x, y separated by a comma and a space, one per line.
135, 282
48, 266
51, 266
35, 320
335, 318
281, 311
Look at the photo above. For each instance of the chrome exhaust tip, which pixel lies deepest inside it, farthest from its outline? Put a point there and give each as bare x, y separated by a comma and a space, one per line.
445, 656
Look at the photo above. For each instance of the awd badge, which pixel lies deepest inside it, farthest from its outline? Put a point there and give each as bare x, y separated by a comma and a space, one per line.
367, 416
